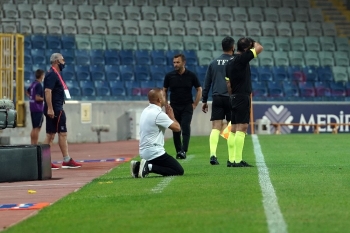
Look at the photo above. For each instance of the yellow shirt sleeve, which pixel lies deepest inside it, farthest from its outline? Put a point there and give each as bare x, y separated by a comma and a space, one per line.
227, 79
254, 52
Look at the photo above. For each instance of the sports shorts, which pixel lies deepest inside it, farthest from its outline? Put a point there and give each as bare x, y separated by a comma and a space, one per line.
221, 108
240, 109
56, 124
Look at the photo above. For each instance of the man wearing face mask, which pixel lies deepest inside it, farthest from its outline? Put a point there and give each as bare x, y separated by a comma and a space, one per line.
55, 90
240, 87
221, 109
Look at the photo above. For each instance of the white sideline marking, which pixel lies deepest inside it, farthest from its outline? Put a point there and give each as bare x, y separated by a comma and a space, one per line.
166, 181
275, 220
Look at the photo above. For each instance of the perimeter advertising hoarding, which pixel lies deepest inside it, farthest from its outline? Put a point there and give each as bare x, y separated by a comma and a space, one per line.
304, 113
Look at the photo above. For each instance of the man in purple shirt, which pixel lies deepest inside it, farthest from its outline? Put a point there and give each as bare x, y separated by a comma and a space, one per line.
36, 104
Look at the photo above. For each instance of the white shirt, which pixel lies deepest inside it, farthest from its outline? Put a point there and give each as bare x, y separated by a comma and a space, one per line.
153, 123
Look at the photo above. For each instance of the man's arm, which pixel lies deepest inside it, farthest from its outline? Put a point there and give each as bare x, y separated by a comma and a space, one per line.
228, 84
38, 98
166, 94
48, 100
207, 85
198, 97
175, 126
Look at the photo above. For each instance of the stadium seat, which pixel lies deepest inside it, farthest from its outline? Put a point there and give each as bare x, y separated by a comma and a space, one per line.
325, 73
68, 73
133, 88
87, 88
97, 57
208, 27
99, 27
253, 28
280, 73
127, 57
192, 28
98, 42
191, 43
53, 27
142, 72
314, 28
200, 3
28, 57
10, 11
266, 59
177, 28
115, 27
259, 89
117, 88
74, 88
55, 11
295, 74
271, 14
127, 72
162, 28
311, 58
299, 29
230, 3
340, 74
265, 74
148, 12
296, 58
129, 42
133, 12
102, 88
225, 14
280, 58
179, 13
284, 29
112, 57
38, 42
338, 89
102, 12
113, 42
146, 27
210, 13
142, 57
254, 74
206, 43
70, 11
342, 44
117, 12
158, 57
38, 56
311, 73
86, 12
144, 42
27, 42
194, 14
28, 72
69, 26
82, 72
82, 57
297, 44
255, 14
112, 72
97, 72
201, 72
301, 14
341, 58
68, 42
146, 86
285, 14
157, 72
131, 27
322, 89
290, 89
268, 28
24, 10
326, 58
204, 57
275, 89
312, 43
269, 44
307, 89
315, 14
68, 55
84, 26
191, 57
282, 43
170, 55
240, 14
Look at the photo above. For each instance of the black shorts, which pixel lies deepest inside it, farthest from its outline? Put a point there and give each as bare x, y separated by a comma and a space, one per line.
221, 108
56, 124
37, 119
240, 109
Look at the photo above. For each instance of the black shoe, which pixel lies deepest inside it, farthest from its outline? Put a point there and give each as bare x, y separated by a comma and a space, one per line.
143, 171
242, 164
214, 160
134, 168
181, 155
229, 164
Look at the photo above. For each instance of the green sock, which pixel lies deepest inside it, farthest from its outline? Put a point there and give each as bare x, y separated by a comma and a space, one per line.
213, 141
239, 143
231, 147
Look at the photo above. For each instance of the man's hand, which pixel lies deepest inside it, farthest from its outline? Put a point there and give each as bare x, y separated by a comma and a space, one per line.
194, 106
205, 107
50, 113
169, 111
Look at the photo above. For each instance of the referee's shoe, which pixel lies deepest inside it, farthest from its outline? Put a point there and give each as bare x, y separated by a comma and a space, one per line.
181, 155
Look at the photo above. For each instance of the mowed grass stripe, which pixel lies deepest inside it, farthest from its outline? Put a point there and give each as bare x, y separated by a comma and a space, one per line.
275, 220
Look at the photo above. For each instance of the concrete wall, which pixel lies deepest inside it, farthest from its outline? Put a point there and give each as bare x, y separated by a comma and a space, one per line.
115, 114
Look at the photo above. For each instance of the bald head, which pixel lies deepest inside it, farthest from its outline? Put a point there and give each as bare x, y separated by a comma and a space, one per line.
155, 96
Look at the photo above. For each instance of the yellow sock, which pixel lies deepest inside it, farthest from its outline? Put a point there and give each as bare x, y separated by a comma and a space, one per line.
213, 141
239, 144
231, 147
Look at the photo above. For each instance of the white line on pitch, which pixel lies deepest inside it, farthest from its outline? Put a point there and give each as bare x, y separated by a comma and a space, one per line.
275, 220
166, 181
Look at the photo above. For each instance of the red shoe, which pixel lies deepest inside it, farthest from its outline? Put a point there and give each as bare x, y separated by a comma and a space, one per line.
54, 167
71, 164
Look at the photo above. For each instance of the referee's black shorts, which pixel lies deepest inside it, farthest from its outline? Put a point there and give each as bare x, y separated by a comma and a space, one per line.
221, 108
240, 109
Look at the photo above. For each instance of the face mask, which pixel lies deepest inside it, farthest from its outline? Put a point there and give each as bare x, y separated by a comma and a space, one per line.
61, 66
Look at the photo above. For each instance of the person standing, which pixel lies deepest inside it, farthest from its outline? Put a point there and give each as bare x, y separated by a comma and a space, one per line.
153, 123
240, 87
55, 89
221, 109
180, 83
36, 105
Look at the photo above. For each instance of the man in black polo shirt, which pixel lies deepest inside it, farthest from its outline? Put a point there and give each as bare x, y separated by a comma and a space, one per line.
55, 89
180, 83
221, 109
240, 87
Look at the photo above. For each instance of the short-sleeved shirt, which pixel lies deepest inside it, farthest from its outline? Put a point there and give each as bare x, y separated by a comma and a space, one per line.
215, 77
153, 123
238, 71
34, 90
53, 82
180, 86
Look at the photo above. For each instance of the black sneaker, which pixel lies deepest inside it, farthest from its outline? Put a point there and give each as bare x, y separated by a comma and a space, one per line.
229, 164
242, 164
181, 155
143, 171
214, 160
134, 168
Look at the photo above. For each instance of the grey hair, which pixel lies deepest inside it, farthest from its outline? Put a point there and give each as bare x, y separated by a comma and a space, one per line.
55, 56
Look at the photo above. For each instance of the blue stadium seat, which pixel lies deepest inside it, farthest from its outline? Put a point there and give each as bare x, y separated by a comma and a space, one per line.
201, 72
280, 73
87, 88
117, 88
275, 89
310, 73
158, 57
38, 42
48, 53
307, 89
259, 89
347, 88
112, 72
127, 72
169, 68
68, 42
338, 89
68, 73
191, 57
127, 57
325, 73
322, 89
53, 42
133, 88
74, 88
146, 86
112, 57
265, 73
254, 74
27, 42
97, 57
97, 72
290, 89
159, 84
142, 57
68, 55
102, 88
38, 56
28, 72
142, 73
170, 56
296, 74
157, 72
82, 72
28, 57
82, 57
43, 67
